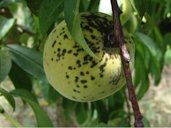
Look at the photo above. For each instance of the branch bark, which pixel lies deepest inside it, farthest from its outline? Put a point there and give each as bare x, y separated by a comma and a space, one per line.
118, 33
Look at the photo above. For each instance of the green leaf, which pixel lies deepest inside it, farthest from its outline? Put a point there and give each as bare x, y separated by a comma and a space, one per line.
149, 44
29, 60
5, 25
5, 64
72, 18
24, 93
49, 11
8, 97
41, 116
20, 78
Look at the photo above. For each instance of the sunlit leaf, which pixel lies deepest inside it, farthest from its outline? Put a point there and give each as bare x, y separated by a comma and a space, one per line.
5, 25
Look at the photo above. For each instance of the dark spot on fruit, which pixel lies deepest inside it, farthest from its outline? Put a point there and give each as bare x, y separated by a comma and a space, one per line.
59, 43
101, 67
101, 75
54, 52
83, 81
85, 62
65, 37
75, 54
76, 79
87, 58
85, 86
67, 76
93, 64
82, 73
51, 59
63, 52
80, 49
78, 62
53, 44
75, 46
76, 91
86, 27
59, 49
87, 72
92, 77
70, 67
70, 51
106, 59
77, 86
62, 33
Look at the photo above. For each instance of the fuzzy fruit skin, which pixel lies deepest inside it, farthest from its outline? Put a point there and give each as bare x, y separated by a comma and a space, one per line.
76, 75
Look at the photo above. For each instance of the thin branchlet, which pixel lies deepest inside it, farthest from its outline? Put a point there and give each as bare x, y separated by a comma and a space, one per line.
118, 33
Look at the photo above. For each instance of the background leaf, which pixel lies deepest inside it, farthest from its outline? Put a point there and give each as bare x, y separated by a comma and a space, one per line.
5, 64
20, 78
5, 25
8, 97
42, 118
48, 13
24, 57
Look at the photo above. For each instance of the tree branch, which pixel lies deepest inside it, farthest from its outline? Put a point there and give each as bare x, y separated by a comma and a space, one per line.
118, 33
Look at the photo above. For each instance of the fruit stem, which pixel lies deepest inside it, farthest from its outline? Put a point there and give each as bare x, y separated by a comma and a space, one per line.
125, 57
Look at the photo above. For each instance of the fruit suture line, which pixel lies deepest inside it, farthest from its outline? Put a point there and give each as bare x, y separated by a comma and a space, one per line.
118, 33
75, 74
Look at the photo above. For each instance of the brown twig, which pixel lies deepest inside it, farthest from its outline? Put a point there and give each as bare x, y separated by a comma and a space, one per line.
125, 62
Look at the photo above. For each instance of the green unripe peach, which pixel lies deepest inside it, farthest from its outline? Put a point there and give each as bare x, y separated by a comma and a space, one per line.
75, 74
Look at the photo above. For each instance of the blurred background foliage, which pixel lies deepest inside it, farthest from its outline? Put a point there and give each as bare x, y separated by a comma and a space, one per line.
24, 26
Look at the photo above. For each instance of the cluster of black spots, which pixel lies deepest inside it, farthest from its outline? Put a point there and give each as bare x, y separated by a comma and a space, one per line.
60, 53
104, 26
53, 44
86, 27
